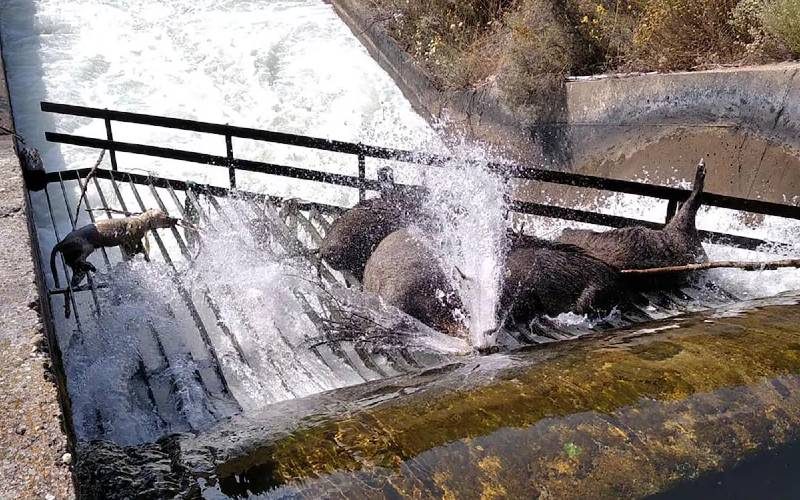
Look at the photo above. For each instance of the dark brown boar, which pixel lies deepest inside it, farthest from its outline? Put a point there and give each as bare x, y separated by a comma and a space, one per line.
354, 235
406, 273
549, 278
638, 247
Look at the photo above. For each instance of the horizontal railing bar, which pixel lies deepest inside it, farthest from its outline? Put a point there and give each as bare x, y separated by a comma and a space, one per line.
243, 133
520, 172
220, 161
651, 190
618, 222
528, 208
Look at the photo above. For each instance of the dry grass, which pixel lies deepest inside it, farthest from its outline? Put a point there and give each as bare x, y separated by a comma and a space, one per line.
530, 45
543, 46
781, 19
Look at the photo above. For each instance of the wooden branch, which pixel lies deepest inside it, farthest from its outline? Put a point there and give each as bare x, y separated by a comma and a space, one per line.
86, 185
744, 265
13, 134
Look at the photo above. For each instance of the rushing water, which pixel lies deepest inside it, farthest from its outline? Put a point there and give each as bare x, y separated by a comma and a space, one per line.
469, 209
290, 66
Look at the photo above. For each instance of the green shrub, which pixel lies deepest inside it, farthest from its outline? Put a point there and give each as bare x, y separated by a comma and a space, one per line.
781, 19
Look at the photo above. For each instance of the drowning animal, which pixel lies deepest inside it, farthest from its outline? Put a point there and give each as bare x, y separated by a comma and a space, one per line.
549, 278
405, 272
127, 233
354, 235
638, 247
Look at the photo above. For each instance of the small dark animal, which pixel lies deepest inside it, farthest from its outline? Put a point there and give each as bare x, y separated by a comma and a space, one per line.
127, 233
405, 272
549, 278
638, 247
354, 235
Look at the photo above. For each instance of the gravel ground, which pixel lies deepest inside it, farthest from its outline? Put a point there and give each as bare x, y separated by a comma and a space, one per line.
33, 446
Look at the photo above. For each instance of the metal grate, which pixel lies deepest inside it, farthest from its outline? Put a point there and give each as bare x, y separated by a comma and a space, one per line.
299, 227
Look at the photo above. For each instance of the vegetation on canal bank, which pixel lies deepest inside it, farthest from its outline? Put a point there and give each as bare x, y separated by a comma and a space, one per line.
527, 47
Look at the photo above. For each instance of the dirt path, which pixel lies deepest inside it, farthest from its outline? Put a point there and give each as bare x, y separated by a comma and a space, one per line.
32, 442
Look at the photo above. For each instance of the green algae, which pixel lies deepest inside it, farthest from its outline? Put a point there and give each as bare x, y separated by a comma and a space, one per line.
627, 414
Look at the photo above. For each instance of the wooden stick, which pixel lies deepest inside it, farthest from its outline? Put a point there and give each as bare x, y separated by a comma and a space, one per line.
744, 265
113, 210
86, 185
13, 134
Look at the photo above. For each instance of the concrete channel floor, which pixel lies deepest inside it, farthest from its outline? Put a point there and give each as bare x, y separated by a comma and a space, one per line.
32, 441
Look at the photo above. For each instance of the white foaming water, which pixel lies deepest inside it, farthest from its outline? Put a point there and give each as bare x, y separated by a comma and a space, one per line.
138, 371
290, 66
264, 292
467, 205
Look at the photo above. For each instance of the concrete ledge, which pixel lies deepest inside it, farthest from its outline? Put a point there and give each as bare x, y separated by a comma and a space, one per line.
33, 463
476, 114
744, 121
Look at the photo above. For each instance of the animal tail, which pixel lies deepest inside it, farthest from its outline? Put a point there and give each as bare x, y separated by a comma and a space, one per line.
56, 249
685, 218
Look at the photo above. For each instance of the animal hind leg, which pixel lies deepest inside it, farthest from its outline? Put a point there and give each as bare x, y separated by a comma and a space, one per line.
685, 218
595, 301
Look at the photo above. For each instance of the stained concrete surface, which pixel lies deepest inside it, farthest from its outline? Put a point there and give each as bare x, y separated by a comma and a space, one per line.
32, 441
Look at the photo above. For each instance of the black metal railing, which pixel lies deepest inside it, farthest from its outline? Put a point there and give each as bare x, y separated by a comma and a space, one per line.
362, 151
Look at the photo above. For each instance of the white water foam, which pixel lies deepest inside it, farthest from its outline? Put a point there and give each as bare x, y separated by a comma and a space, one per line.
467, 204
291, 66
288, 65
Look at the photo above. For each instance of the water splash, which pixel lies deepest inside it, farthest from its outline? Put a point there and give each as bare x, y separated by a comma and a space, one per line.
467, 204
265, 288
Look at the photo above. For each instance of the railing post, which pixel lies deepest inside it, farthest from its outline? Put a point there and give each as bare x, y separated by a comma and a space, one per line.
672, 208
231, 168
111, 153
362, 174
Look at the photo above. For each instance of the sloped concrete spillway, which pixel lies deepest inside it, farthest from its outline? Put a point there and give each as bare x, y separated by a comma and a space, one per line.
205, 353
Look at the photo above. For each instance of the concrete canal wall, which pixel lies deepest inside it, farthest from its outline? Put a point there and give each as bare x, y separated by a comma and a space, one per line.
34, 455
744, 121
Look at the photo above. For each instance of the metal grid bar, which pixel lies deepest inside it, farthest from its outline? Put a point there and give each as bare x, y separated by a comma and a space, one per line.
309, 310
73, 222
185, 296
175, 385
209, 301
275, 366
67, 277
